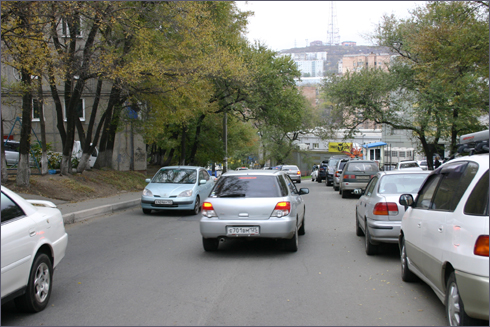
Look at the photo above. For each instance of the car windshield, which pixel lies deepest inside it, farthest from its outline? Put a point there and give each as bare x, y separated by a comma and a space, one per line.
175, 176
400, 184
362, 166
246, 186
409, 165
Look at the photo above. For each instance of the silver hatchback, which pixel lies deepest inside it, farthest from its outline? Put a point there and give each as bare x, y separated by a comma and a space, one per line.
253, 204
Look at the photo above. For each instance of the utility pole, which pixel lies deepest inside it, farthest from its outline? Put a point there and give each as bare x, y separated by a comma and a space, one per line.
225, 138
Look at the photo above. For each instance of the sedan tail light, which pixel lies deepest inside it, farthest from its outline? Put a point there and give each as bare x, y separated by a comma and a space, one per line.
349, 176
208, 210
282, 209
385, 209
481, 246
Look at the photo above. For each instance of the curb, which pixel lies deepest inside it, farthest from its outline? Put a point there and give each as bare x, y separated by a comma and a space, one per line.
74, 217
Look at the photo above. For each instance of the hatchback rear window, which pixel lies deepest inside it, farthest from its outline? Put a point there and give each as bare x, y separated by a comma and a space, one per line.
246, 186
362, 166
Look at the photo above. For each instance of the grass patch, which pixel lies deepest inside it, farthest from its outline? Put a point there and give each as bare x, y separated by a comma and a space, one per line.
123, 180
76, 186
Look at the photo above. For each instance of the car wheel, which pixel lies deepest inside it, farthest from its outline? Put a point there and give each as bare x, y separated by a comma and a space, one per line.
318, 179
344, 194
38, 290
359, 231
407, 275
340, 191
370, 247
146, 211
301, 230
197, 206
335, 188
292, 243
299, 182
210, 244
454, 306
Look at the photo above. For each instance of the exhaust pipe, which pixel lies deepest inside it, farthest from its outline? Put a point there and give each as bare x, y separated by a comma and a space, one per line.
222, 240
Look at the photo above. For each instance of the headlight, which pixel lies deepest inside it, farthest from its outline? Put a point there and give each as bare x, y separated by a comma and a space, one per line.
185, 194
147, 192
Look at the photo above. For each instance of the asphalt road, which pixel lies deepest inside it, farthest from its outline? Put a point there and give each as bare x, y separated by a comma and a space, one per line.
133, 269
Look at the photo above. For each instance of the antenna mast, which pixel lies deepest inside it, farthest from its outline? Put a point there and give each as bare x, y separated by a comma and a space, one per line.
333, 36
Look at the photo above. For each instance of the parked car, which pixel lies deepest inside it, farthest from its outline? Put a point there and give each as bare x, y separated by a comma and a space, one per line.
293, 172
322, 171
12, 154
253, 204
314, 173
332, 163
378, 214
423, 164
444, 235
337, 172
177, 188
356, 174
404, 165
33, 243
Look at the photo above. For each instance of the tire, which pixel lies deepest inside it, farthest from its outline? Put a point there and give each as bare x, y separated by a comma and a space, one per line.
38, 290
340, 191
335, 188
210, 244
299, 182
359, 231
454, 306
370, 247
318, 179
407, 275
197, 206
146, 211
291, 244
344, 194
301, 230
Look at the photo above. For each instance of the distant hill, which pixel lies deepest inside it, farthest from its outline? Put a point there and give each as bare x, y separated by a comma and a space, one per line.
336, 52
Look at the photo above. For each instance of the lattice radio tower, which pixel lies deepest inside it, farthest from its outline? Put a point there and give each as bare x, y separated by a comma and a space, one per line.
333, 36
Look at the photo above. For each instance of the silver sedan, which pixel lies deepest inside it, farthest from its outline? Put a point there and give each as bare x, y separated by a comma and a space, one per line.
253, 204
378, 214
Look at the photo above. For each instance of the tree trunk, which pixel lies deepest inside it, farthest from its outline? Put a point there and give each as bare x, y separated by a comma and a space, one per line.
195, 144
44, 152
23, 169
5, 174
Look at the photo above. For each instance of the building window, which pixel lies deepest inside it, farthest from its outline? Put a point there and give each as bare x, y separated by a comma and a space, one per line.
308, 145
402, 154
36, 110
316, 145
65, 30
80, 110
394, 153
409, 154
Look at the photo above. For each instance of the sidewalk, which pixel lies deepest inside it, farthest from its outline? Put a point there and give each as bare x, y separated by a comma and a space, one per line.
77, 211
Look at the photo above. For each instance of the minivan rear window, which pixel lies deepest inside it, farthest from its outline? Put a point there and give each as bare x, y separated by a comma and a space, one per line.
362, 166
237, 186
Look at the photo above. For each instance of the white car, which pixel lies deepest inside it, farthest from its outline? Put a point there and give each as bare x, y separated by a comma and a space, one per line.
33, 243
408, 165
444, 236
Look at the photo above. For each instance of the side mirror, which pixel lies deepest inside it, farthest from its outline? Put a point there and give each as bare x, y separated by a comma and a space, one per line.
304, 191
148, 180
358, 191
202, 181
406, 200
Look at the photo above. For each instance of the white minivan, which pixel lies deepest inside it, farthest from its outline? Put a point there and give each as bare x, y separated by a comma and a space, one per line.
444, 233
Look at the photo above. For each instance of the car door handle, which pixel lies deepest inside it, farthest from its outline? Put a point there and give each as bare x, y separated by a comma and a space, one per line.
32, 233
439, 229
419, 225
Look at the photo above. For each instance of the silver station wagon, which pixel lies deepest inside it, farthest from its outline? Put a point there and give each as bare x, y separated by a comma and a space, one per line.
253, 204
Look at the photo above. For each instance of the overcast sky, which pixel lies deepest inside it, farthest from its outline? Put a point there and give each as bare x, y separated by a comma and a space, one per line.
279, 24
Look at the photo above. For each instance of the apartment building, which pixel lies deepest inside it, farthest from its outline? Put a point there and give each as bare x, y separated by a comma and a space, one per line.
356, 62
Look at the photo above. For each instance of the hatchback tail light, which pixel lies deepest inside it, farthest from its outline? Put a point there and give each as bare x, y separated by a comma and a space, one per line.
208, 210
481, 246
385, 209
282, 209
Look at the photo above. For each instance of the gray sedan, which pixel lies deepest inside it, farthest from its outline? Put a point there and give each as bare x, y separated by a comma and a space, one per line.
253, 204
378, 214
293, 172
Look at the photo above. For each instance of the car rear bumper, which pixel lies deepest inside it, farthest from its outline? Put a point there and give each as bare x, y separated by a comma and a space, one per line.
271, 228
295, 178
348, 186
384, 231
474, 293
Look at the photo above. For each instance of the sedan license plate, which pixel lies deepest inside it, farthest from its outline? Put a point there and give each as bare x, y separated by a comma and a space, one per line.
363, 178
242, 231
164, 202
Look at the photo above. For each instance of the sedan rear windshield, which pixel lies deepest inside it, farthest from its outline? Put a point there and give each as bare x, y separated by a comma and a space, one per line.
177, 176
362, 166
246, 186
400, 184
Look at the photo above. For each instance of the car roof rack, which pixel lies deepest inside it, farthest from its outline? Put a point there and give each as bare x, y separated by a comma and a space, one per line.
474, 143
